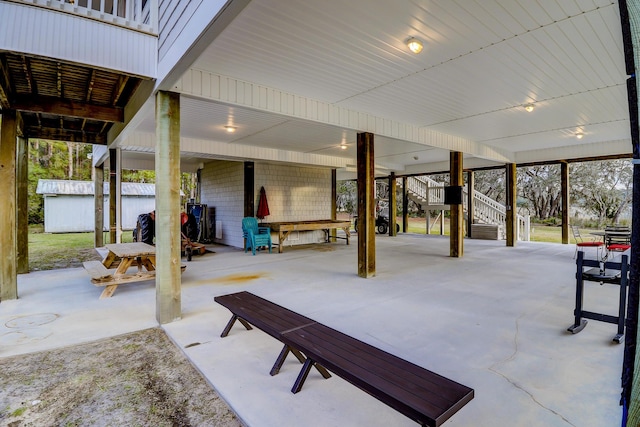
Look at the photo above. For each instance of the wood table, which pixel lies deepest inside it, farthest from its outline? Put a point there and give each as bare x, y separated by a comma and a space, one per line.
140, 254
285, 228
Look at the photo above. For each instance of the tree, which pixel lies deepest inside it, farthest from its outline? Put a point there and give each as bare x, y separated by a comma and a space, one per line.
603, 188
540, 187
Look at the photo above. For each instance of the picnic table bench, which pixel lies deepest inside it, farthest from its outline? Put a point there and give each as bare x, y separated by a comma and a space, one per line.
422, 395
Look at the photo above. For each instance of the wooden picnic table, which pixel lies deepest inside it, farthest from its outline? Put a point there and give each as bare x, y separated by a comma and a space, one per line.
284, 228
140, 254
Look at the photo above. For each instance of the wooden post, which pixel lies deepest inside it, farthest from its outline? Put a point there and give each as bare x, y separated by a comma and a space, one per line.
8, 212
471, 185
456, 220
511, 204
168, 238
22, 178
98, 200
564, 174
366, 206
405, 206
334, 196
393, 205
112, 195
249, 191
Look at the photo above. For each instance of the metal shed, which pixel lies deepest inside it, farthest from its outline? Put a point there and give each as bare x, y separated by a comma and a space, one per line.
63, 197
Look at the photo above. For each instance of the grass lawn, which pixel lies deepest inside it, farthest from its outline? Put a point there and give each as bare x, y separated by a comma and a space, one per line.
48, 251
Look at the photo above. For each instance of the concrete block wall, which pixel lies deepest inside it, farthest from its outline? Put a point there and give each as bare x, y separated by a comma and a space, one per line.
293, 193
222, 187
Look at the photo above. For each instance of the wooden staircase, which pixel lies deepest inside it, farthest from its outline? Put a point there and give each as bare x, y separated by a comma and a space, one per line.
429, 194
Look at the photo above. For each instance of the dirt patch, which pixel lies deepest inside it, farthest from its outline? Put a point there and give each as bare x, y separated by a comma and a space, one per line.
137, 379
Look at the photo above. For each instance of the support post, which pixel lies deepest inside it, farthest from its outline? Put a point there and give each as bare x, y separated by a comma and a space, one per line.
471, 186
456, 220
334, 196
249, 191
112, 195
511, 204
405, 206
8, 212
98, 200
564, 177
22, 202
168, 238
366, 206
393, 205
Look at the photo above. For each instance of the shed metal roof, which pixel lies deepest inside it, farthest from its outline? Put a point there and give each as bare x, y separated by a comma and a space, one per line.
85, 188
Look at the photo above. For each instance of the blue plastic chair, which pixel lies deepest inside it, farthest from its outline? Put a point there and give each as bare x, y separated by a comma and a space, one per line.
255, 237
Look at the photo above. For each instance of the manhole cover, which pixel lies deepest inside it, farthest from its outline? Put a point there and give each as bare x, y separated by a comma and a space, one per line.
31, 320
23, 337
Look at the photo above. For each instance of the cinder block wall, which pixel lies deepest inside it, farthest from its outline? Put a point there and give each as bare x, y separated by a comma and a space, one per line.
222, 187
294, 194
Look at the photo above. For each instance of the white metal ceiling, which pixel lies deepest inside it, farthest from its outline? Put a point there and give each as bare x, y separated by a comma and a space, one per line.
482, 61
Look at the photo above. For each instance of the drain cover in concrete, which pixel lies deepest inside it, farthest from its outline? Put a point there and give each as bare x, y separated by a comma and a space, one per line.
31, 320
24, 336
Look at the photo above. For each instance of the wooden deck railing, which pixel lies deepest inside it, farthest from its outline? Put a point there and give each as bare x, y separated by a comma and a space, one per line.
141, 15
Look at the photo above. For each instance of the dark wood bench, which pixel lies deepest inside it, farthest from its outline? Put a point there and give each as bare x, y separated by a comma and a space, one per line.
422, 395
250, 309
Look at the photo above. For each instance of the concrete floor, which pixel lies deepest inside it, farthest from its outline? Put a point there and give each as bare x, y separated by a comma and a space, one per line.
494, 320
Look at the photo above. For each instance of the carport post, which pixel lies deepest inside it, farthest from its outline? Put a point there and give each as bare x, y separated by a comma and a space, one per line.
8, 212
366, 206
168, 238
564, 184
511, 204
98, 199
22, 179
456, 228
393, 204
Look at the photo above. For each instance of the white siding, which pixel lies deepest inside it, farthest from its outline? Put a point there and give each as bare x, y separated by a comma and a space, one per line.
294, 194
57, 218
172, 19
44, 32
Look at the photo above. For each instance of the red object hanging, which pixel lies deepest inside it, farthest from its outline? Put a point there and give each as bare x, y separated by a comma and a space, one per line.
263, 206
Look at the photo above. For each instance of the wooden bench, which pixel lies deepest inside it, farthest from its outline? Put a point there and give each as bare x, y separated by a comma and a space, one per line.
271, 318
422, 395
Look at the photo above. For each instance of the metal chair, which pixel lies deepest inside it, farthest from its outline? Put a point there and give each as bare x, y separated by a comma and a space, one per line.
581, 243
255, 237
617, 239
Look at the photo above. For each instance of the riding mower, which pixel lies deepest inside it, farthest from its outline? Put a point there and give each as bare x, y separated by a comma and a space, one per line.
382, 225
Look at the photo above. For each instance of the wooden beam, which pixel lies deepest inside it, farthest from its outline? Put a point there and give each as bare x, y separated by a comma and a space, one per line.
456, 220
393, 205
511, 204
113, 166
5, 83
564, 178
62, 107
98, 200
68, 135
168, 237
334, 204
366, 206
22, 177
8, 212
249, 190
471, 185
405, 206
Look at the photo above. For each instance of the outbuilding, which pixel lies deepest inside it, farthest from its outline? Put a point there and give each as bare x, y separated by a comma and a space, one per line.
62, 197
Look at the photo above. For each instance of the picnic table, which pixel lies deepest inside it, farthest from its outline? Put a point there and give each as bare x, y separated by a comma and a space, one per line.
284, 228
139, 254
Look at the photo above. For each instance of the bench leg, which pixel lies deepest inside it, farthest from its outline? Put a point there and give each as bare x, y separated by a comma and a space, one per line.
283, 355
108, 291
233, 319
302, 376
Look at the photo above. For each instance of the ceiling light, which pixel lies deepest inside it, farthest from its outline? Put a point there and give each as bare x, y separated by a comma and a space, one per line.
579, 135
529, 107
343, 147
230, 129
414, 45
